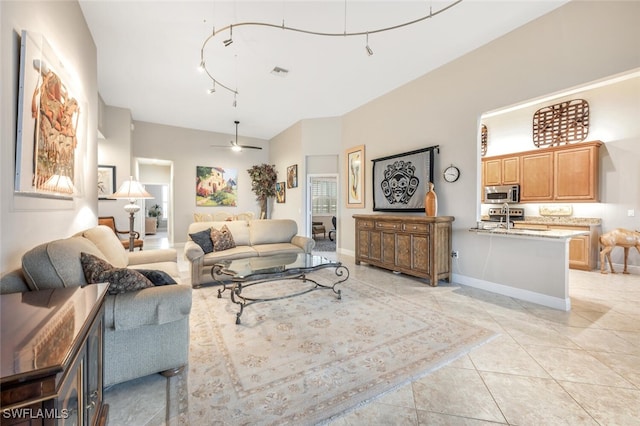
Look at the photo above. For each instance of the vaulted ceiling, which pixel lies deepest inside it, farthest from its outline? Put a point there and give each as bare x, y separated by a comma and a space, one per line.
149, 52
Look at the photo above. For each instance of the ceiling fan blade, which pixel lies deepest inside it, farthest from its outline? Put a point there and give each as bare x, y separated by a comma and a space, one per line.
234, 145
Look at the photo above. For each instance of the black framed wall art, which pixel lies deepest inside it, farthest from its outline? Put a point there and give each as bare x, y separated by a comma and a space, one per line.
401, 181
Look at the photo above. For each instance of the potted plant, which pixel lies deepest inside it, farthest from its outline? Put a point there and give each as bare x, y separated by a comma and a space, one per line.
155, 211
263, 184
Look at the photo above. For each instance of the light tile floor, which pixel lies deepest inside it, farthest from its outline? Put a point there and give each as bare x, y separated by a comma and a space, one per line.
546, 367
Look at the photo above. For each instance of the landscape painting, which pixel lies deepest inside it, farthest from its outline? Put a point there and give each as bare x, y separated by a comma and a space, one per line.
216, 187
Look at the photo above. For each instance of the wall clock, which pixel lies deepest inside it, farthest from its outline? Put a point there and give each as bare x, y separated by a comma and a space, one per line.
451, 174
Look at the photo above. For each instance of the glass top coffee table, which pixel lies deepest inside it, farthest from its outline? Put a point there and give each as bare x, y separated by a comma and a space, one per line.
244, 273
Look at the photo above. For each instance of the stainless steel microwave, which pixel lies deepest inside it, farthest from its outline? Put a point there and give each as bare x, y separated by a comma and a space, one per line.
502, 194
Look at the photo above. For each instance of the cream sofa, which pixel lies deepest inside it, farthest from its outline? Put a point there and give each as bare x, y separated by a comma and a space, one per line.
146, 331
253, 238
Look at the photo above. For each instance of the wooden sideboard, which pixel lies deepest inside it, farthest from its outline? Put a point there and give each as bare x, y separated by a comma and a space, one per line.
414, 245
52, 356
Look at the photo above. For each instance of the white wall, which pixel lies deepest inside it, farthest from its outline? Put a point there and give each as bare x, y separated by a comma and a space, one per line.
315, 142
115, 150
28, 221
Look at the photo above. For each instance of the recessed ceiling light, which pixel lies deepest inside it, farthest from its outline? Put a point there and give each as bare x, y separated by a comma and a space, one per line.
280, 72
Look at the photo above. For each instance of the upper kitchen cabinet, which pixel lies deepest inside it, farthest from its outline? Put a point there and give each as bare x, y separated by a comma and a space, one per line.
503, 170
576, 173
537, 176
567, 173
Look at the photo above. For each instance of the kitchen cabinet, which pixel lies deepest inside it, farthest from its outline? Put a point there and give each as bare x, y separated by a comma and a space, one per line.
567, 173
55, 375
576, 173
537, 177
503, 170
415, 245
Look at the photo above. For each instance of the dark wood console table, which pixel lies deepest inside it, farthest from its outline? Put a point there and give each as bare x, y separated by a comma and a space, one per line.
414, 245
52, 356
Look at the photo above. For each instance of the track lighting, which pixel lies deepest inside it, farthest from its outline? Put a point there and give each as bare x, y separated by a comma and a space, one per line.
212, 89
201, 67
235, 100
369, 51
228, 41
282, 27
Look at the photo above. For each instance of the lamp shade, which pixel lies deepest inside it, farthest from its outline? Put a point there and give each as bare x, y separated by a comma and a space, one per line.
131, 190
59, 183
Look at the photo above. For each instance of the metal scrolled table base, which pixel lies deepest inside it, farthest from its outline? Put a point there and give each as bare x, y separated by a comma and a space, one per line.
238, 298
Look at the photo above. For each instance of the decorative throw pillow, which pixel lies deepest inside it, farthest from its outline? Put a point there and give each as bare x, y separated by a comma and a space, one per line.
157, 277
203, 239
121, 280
222, 239
93, 266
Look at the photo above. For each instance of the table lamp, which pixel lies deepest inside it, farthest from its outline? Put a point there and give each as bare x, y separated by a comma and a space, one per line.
131, 190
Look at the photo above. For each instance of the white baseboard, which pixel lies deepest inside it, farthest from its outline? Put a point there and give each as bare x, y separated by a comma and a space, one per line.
619, 267
517, 293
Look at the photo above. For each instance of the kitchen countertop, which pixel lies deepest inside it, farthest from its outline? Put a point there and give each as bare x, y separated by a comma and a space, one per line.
558, 234
557, 220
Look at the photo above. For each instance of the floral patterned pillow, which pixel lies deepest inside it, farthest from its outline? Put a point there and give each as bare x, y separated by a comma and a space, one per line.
222, 239
121, 280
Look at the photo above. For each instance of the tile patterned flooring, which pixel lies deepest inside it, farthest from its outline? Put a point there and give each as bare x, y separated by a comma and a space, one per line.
546, 367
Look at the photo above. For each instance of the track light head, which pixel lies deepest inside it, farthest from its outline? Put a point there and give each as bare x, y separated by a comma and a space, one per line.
369, 51
212, 89
228, 41
201, 67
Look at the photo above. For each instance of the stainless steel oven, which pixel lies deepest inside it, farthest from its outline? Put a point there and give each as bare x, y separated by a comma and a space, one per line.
502, 194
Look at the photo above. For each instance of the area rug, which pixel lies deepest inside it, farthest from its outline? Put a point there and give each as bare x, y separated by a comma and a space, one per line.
324, 244
309, 358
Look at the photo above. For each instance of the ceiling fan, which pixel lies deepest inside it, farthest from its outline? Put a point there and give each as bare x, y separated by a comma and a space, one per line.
235, 146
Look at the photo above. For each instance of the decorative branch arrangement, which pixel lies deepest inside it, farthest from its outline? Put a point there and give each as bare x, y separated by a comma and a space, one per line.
263, 184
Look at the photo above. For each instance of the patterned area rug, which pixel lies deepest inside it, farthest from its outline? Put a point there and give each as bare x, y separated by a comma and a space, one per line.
306, 359
324, 244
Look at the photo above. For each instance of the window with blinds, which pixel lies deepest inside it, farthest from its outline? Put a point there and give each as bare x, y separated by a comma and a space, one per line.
324, 195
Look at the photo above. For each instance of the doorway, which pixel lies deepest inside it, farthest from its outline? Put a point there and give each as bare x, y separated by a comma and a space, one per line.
322, 211
157, 177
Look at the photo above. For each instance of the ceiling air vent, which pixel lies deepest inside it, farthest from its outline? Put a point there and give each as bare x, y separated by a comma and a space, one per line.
280, 72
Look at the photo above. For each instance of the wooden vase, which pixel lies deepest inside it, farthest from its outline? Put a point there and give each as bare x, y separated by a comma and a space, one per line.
431, 202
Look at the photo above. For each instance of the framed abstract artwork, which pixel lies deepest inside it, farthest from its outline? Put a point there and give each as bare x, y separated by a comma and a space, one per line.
281, 194
355, 177
400, 182
106, 182
292, 176
52, 123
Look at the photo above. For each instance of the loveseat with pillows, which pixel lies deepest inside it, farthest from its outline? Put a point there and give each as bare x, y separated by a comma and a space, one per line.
146, 309
211, 242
